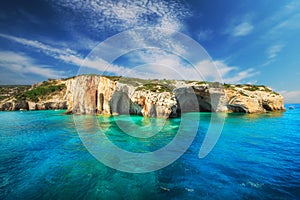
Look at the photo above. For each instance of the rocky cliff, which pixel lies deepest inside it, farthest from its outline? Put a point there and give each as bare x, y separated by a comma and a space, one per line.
167, 98
46, 95
92, 94
101, 95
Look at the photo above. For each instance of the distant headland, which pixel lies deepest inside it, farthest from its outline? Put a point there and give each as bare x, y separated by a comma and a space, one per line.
112, 95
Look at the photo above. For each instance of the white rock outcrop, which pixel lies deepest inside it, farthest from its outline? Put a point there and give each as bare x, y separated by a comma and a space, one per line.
93, 94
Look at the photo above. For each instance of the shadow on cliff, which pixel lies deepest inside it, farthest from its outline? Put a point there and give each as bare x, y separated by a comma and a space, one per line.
121, 103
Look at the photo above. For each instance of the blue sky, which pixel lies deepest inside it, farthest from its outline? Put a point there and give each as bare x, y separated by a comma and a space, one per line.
248, 41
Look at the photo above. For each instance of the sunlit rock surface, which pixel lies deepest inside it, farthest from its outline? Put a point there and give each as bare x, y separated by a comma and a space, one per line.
94, 94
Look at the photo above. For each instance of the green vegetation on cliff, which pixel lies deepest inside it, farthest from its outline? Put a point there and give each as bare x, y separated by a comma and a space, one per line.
253, 88
51, 87
31, 93
43, 90
8, 91
154, 87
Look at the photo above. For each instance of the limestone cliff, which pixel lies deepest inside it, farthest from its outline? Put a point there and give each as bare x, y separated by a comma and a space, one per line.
165, 98
253, 99
93, 94
83, 95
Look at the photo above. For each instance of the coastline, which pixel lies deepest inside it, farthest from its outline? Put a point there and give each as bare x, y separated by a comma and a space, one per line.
94, 94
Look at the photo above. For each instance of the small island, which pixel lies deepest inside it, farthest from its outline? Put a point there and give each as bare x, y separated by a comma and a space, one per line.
113, 95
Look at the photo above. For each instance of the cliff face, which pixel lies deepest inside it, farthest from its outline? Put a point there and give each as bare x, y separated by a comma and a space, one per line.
84, 98
92, 94
102, 95
240, 99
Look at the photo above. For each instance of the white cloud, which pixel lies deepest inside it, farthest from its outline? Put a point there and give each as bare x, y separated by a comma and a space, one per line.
283, 23
120, 16
97, 64
164, 65
22, 65
47, 49
66, 55
274, 50
290, 96
292, 5
126, 14
223, 68
289, 24
172, 66
242, 29
157, 63
205, 35
268, 62
240, 76
102, 15
123, 15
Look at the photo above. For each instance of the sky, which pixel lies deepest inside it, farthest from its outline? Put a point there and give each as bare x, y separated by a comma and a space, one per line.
246, 41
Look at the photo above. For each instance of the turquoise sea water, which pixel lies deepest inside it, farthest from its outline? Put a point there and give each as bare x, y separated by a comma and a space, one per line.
256, 157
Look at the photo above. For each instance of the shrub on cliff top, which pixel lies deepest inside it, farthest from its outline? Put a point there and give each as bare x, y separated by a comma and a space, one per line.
154, 87
7, 91
42, 91
113, 78
227, 86
252, 88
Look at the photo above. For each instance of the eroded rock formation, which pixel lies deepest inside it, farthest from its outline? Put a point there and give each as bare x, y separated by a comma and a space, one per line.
93, 94
104, 96
239, 99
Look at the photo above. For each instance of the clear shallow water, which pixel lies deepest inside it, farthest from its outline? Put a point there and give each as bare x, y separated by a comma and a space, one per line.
256, 157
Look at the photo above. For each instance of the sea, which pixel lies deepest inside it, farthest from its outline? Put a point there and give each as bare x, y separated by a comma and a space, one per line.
256, 156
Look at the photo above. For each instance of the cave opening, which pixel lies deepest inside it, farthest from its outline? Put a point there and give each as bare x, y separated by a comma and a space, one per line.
193, 103
267, 107
101, 102
120, 103
237, 108
123, 104
96, 100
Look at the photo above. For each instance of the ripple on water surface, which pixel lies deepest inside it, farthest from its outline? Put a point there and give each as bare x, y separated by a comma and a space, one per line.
256, 157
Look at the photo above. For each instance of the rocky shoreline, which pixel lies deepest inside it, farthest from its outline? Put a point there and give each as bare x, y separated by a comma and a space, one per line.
94, 94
